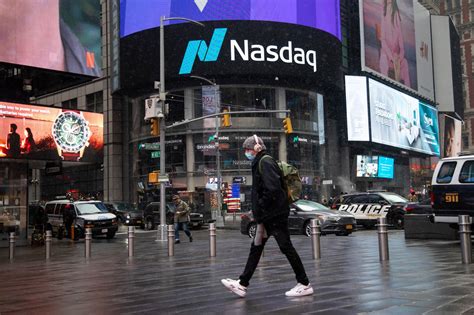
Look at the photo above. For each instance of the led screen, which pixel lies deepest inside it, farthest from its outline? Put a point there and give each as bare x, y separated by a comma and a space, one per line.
385, 167
138, 15
451, 136
61, 35
367, 166
401, 121
374, 166
48, 133
357, 108
396, 43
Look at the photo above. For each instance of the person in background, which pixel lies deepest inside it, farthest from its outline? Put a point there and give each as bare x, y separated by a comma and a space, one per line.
181, 218
28, 144
270, 209
13, 142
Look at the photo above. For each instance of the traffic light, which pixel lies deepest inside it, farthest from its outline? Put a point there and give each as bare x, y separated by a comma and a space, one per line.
155, 127
225, 119
287, 125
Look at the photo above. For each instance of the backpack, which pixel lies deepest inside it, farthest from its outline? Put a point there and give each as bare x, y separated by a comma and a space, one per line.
291, 179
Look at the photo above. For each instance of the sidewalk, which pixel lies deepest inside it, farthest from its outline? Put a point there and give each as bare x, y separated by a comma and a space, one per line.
422, 277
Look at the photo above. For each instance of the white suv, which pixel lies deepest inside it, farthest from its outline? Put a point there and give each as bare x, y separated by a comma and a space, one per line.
453, 189
84, 214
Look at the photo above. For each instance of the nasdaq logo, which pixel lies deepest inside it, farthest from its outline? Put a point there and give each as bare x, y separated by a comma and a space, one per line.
199, 48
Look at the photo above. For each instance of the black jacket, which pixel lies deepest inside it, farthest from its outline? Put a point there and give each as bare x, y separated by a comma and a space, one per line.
269, 198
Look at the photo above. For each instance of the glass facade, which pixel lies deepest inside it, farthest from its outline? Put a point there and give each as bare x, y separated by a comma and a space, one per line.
191, 155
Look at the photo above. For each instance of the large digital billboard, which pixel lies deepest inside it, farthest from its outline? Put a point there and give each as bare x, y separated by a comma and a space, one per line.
357, 109
136, 16
49, 133
233, 52
402, 121
396, 43
451, 135
374, 166
60, 35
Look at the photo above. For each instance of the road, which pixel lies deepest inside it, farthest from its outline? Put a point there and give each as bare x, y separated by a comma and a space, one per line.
422, 277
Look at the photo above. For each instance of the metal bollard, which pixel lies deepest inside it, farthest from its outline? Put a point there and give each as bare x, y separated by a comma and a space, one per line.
233, 217
171, 240
131, 240
465, 237
316, 238
11, 241
88, 242
212, 240
47, 241
383, 239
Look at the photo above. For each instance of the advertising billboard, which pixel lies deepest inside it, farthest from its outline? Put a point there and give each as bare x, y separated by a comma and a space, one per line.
357, 108
137, 16
402, 121
451, 135
396, 43
232, 51
374, 166
49, 133
60, 35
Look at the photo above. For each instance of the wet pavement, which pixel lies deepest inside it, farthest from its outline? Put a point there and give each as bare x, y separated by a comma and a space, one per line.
422, 277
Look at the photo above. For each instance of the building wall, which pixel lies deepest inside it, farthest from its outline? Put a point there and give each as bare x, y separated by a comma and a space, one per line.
462, 14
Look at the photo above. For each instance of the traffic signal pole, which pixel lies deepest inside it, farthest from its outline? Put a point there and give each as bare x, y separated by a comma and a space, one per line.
162, 228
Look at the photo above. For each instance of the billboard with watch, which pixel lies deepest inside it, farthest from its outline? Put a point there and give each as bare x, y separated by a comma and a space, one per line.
49, 133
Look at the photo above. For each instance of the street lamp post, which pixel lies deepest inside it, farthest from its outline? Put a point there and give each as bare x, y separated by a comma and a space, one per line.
219, 216
162, 228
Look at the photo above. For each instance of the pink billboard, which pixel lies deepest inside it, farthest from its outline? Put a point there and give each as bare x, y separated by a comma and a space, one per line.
50, 133
388, 40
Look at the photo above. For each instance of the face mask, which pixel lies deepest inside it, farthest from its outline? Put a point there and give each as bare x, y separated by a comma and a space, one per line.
249, 156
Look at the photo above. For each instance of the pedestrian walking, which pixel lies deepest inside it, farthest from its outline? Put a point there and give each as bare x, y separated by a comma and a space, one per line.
181, 218
270, 209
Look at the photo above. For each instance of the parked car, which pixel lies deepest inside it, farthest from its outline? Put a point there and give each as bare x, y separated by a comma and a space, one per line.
87, 214
126, 213
367, 207
151, 214
453, 189
299, 220
422, 207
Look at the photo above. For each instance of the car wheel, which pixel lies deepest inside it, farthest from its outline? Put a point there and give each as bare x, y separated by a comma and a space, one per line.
110, 235
398, 222
149, 224
307, 229
252, 230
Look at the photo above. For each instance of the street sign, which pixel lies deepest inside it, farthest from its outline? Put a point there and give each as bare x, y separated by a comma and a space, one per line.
155, 154
163, 178
152, 146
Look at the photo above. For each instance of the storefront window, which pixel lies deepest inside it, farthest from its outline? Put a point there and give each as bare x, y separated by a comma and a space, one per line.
303, 107
13, 200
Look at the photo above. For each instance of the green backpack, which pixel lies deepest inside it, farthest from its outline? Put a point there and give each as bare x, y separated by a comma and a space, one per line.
291, 179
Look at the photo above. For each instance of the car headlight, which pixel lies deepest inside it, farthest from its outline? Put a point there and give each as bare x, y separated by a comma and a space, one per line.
201, 216
329, 218
128, 216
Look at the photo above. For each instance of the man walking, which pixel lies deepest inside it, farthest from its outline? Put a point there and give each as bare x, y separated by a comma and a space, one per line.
270, 209
181, 218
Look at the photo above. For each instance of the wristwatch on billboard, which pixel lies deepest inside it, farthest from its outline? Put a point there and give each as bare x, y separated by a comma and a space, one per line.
71, 134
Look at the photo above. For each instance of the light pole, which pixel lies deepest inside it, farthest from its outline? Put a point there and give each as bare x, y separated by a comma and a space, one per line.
162, 228
219, 215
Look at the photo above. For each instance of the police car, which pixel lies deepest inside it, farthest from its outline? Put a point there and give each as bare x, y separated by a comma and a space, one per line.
367, 207
453, 189
84, 214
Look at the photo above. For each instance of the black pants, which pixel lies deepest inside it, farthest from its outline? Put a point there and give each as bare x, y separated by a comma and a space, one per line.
279, 230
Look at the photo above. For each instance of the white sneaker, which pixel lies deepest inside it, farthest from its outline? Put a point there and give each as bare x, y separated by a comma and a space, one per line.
235, 286
300, 290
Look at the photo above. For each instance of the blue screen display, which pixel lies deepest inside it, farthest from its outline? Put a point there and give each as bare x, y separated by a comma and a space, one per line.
386, 166
139, 15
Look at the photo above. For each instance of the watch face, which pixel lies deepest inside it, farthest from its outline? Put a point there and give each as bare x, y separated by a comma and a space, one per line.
71, 131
